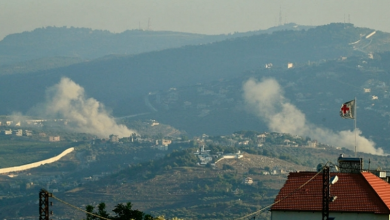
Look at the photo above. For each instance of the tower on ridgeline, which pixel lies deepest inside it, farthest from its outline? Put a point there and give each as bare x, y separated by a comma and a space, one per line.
149, 25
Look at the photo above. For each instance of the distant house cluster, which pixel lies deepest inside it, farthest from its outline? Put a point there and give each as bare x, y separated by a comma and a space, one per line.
205, 157
270, 65
16, 132
11, 128
162, 144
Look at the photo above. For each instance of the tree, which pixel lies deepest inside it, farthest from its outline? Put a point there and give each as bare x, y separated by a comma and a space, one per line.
122, 212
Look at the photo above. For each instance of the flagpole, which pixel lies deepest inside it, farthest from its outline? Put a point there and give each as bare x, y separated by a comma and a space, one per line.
355, 123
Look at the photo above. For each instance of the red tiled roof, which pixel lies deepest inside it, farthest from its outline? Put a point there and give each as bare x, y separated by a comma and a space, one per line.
361, 192
381, 187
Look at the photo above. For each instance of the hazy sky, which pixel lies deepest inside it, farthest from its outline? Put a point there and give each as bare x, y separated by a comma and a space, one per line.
196, 16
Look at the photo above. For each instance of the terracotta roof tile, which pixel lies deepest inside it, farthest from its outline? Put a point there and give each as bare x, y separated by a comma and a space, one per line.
381, 187
361, 192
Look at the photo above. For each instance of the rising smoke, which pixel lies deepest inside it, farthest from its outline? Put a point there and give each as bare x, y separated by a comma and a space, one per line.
266, 100
66, 100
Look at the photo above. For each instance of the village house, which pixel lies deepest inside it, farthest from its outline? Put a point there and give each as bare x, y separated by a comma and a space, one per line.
204, 156
18, 132
28, 133
248, 181
312, 144
356, 194
359, 196
154, 123
114, 138
165, 142
6, 132
54, 138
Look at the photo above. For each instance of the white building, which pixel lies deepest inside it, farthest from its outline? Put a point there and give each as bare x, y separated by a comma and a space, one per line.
54, 138
165, 142
6, 132
312, 144
248, 181
18, 132
367, 90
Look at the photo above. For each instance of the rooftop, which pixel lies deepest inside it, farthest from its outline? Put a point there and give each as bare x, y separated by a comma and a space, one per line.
356, 192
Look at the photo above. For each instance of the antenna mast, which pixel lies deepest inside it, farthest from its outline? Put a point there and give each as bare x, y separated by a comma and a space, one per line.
355, 123
149, 24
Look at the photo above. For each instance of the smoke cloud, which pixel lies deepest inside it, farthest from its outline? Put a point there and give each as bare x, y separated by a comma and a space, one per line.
266, 100
67, 100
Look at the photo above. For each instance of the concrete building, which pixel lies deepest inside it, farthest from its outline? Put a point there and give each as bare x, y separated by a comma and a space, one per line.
360, 195
6, 132
114, 138
154, 123
28, 133
248, 181
54, 138
367, 90
165, 142
18, 132
312, 144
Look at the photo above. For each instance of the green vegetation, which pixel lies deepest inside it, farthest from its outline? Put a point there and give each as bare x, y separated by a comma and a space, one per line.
15, 151
39, 65
197, 90
148, 170
122, 212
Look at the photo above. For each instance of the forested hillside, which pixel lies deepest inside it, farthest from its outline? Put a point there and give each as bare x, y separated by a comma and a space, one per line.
84, 43
132, 77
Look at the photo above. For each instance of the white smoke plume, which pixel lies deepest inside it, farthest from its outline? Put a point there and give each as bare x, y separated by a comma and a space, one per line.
66, 100
266, 100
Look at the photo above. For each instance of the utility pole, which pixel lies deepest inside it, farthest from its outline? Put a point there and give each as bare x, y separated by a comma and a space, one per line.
44, 204
325, 193
326, 197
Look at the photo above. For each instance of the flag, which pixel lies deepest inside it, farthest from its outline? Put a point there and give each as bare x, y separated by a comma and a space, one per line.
347, 110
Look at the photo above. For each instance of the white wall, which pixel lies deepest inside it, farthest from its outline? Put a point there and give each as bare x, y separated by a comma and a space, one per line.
279, 215
36, 164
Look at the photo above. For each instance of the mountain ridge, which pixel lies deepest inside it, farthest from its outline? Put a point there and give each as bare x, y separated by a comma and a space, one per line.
86, 43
